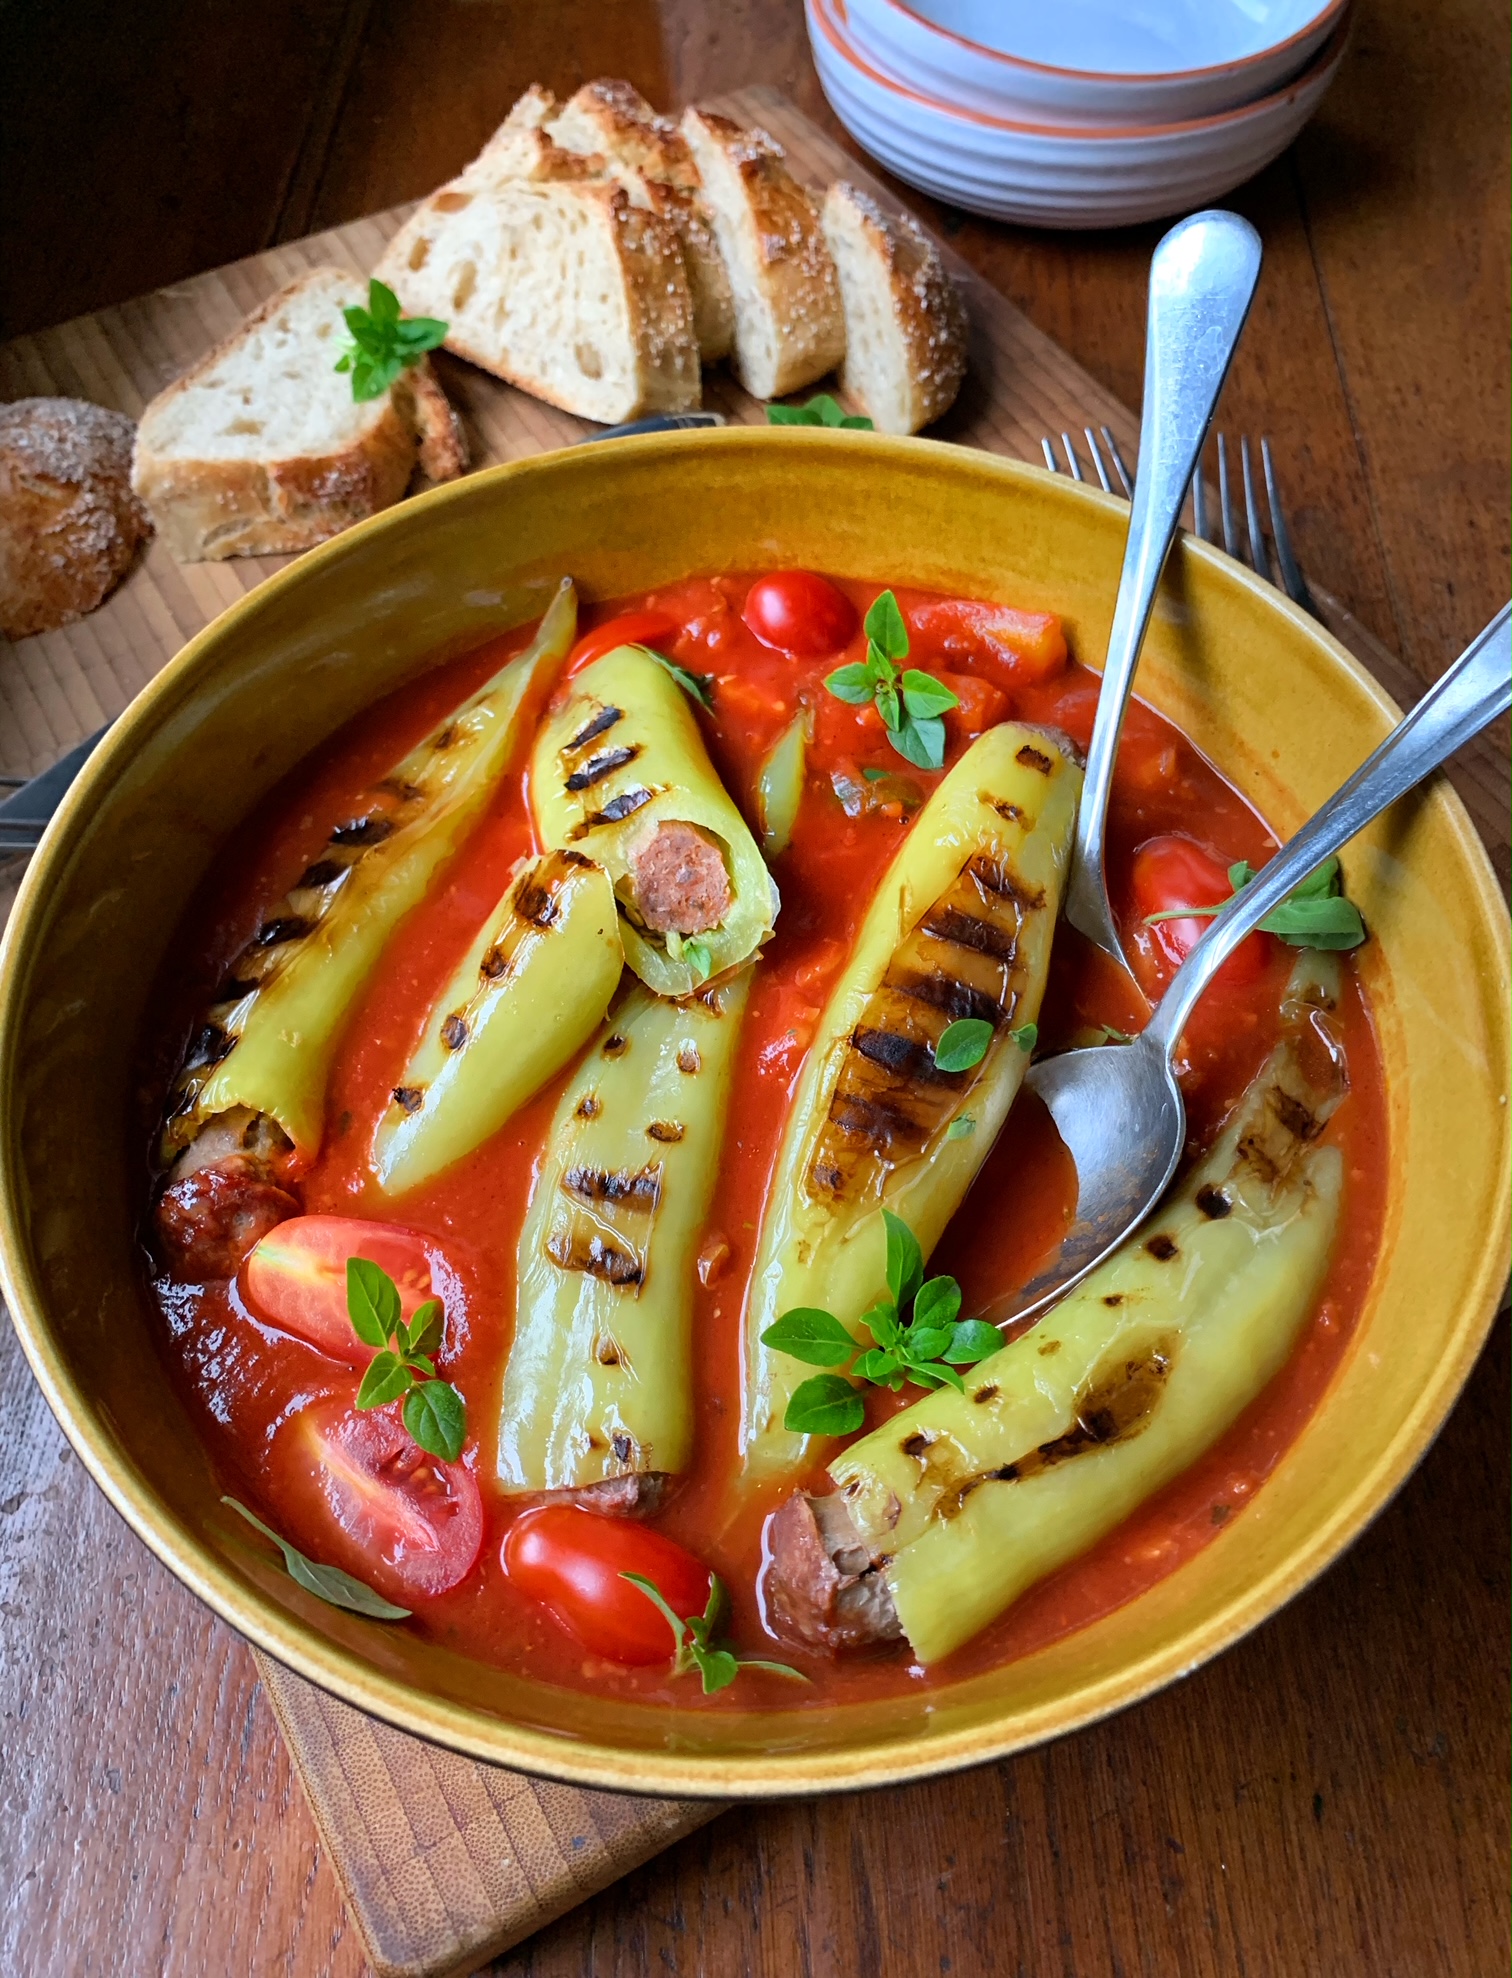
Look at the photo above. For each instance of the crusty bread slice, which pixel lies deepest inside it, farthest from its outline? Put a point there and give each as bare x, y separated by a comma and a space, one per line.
260, 447
561, 286
613, 124
789, 327
905, 323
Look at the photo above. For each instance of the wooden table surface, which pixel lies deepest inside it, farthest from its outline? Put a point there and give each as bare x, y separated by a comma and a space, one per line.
1331, 1796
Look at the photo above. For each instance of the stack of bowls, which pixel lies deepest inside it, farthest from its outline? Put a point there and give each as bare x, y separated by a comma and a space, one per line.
1081, 113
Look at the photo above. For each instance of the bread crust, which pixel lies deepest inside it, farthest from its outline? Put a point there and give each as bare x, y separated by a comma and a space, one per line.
209, 509
69, 521
612, 117
924, 302
780, 263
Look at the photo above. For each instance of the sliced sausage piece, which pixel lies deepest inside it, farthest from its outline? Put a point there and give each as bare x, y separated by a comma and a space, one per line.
208, 1221
823, 1587
678, 873
637, 1496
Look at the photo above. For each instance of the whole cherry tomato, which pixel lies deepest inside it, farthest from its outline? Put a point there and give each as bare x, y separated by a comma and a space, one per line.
571, 1561
296, 1277
800, 614
636, 628
1176, 871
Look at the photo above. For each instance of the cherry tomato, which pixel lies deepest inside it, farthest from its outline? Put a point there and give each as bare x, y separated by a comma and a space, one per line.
636, 628
296, 1277
800, 614
571, 1560
415, 1522
1176, 871
1019, 646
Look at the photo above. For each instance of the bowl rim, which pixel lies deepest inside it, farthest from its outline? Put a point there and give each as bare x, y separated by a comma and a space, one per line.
1318, 72
1322, 21
345, 1673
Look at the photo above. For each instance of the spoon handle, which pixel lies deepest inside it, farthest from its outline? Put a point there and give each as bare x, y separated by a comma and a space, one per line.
1202, 279
1476, 689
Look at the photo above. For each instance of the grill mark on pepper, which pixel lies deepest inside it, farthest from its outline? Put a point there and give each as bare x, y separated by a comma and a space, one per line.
321, 873
637, 1191
595, 1257
668, 1131
626, 804
598, 767
601, 723
956, 998
1213, 1203
363, 831
410, 1097
454, 1032
1032, 759
284, 927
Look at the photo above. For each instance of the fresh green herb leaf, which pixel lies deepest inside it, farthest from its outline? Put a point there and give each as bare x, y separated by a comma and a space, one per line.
436, 1417
383, 342
923, 694
885, 627
963, 1044
327, 1583
817, 1338
694, 1638
423, 1333
387, 1377
372, 1302
699, 957
927, 1342
1314, 914
1026, 1036
853, 684
882, 1323
821, 410
697, 686
973, 1340
937, 1304
961, 1127
825, 1405
920, 742
905, 1262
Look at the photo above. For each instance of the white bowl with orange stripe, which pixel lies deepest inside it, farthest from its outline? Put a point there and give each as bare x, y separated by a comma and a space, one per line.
1057, 175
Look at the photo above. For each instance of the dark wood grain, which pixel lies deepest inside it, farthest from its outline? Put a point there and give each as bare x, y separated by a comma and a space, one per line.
1330, 1797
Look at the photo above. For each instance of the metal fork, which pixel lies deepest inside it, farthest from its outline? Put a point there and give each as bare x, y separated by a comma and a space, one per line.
1291, 578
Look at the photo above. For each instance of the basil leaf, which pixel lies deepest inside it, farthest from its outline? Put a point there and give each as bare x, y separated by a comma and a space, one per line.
937, 1303
436, 1417
888, 708
1027, 1036
760, 1662
974, 1340
852, 684
659, 1600
386, 1379
923, 694
926, 1342
422, 1363
327, 1583
920, 742
383, 304
905, 1263
421, 333
963, 1044
790, 415
697, 686
699, 958
825, 1405
717, 1668
939, 1375
372, 1302
1332, 922
878, 1364
423, 1333
885, 627
817, 1338
882, 1323
960, 1127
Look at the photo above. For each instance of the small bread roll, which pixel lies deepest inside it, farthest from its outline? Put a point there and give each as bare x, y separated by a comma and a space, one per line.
69, 522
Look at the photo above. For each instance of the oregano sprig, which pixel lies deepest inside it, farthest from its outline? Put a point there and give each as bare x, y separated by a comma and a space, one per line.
916, 1332
696, 1635
434, 1412
384, 342
1314, 914
327, 1583
910, 703
697, 686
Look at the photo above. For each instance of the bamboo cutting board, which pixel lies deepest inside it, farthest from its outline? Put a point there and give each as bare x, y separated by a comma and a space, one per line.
446, 1862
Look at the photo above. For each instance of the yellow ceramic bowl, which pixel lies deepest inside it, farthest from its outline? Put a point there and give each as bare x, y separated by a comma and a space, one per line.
1281, 709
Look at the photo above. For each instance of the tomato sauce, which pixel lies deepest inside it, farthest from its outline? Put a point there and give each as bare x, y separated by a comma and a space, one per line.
249, 1385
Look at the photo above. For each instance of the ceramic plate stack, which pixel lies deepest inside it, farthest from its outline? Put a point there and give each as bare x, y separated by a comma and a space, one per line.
1080, 113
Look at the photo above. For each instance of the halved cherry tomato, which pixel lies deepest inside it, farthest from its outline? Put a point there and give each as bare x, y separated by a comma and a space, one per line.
799, 613
415, 1522
571, 1561
296, 1277
1176, 871
636, 628
1019, 646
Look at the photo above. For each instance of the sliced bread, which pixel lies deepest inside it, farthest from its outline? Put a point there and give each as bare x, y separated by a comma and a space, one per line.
560, 285
260, 447
905, 323
789, 326
613, 118
69, 522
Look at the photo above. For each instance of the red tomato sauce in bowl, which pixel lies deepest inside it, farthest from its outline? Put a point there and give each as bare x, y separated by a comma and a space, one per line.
271, 1405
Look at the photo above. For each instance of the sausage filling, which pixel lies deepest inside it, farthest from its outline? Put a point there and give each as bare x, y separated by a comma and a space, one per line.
679, 879
822, 1586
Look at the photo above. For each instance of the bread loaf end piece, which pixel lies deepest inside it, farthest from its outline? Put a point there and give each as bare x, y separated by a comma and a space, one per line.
789, 325
906, 330
69, 521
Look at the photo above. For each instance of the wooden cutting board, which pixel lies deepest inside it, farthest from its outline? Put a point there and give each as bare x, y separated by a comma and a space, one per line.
446, 1862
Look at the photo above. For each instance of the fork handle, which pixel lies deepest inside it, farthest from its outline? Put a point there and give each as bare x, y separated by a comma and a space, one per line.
1475, 690
1202, 280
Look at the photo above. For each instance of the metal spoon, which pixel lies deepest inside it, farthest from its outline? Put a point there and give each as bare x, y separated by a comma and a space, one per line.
1202, 279
1118, 1108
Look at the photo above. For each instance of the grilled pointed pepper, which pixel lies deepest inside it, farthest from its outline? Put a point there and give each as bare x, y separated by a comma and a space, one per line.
959, 930
265, 1047
960, 1503
530, 991
598, 1391
620, 773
